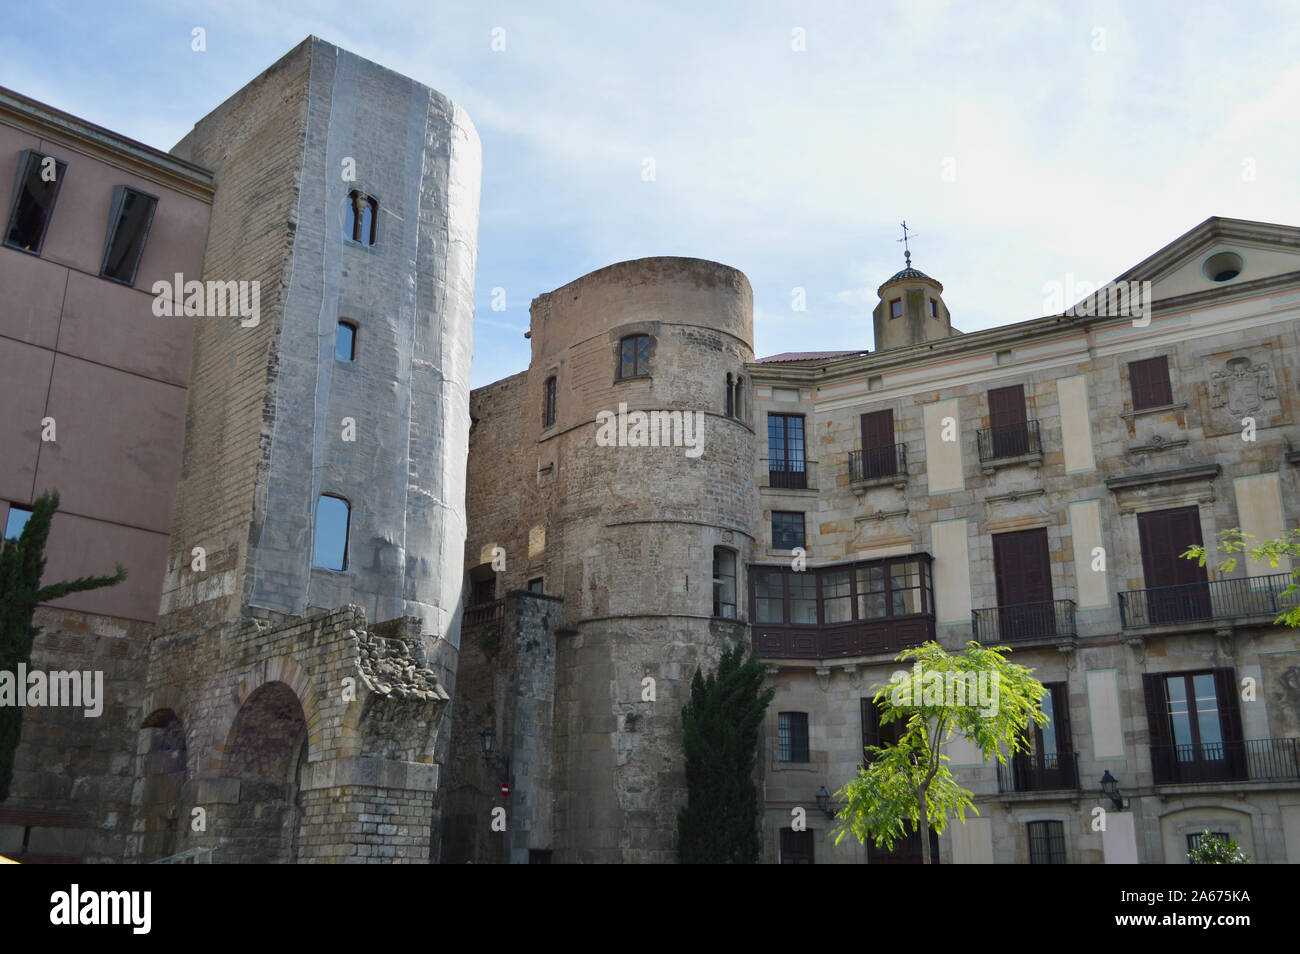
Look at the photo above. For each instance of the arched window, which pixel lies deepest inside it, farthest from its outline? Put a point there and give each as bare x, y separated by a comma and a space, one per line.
634, 357
739, 413
333, 515
731, 397
361, 219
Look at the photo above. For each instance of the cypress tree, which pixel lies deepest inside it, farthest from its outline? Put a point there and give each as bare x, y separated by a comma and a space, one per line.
720, 725
22, 563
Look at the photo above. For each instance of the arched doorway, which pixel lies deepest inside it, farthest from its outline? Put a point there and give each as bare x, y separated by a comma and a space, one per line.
162, 812
266, 751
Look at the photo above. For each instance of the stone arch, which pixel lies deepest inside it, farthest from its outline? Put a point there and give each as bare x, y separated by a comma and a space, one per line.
266, 751
162, 800
281, 669
1240, 821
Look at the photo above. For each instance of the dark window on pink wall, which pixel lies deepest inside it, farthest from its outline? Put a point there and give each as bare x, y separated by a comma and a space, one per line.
37, 186
129, 219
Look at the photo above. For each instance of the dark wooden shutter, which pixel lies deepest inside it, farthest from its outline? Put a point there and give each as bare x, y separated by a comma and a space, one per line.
1007, 422
796, 847
1149, 383
1023, 570
1007, 406
878, 452
1161, 741
1228, 697
1179, 585
1061, 716
870, 723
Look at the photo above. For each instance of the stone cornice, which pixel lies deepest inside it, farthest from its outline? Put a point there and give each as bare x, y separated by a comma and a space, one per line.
1170, 475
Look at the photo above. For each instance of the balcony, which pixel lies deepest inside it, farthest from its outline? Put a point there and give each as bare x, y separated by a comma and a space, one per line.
878, 465
1050, 620
484, 613
1257, 760
1007, 444
1030, 773
1205, 602
791, 474
864, 608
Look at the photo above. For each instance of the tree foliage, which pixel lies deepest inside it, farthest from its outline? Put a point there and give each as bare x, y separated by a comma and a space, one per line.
1234, 541
22, 564
1211, 850
908, 786
720, 726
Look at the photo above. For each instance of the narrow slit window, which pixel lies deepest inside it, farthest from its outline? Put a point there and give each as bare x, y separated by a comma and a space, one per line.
548, 403
39, 178
333, 515
362, 218
128, 229
724, 582
345, 342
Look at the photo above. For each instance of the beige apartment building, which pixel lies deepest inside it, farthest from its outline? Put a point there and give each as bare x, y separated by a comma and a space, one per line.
1030, 485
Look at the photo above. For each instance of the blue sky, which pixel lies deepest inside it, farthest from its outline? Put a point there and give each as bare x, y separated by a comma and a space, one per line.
1020, 143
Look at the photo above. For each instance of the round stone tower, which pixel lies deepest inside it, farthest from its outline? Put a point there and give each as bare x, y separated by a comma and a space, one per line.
645, 464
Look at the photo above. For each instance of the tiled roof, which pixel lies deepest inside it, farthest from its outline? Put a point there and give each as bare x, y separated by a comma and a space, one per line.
806, 356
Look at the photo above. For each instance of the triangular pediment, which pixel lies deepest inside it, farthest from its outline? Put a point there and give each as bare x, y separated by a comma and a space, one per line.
1199, 261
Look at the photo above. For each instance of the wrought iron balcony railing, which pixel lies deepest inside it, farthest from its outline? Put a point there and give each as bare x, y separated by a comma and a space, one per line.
1039, 773
873, 462
1009, 440
1024, 621
1211, 600
791, 474
1253, 759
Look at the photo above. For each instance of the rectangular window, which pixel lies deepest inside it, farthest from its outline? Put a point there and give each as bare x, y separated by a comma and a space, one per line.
787, 530
879, 450
1195, 725
724, 582
792, 736
548, 403
1023, 571
536, 584
796, 846
837, 596
39, 178
128, 229
1194, 841
345, 342
1176, 589
14, 523
333, 515
786, 465
769, 596
634, 357
896, 308
1149, 383
934, 309
1008, 424
482, 591
1046, 843
803, 598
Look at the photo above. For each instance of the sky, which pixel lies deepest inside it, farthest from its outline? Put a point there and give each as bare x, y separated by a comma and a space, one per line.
1023, 143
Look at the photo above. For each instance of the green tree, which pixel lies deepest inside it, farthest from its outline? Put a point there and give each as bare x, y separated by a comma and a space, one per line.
908, 786
720, 725
1211, 850
1234, 541
22, 564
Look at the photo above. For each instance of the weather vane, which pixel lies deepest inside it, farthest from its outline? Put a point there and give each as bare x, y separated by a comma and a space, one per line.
907, 254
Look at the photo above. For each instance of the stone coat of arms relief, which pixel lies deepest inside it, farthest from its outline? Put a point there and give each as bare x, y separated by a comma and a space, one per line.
1242, 386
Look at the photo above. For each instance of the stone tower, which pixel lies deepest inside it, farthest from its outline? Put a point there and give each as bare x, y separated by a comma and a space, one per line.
349, 194
910, 311
625, 534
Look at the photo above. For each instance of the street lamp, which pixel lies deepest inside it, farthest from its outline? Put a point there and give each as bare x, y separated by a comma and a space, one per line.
824, 801
499, 762
1110, 788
